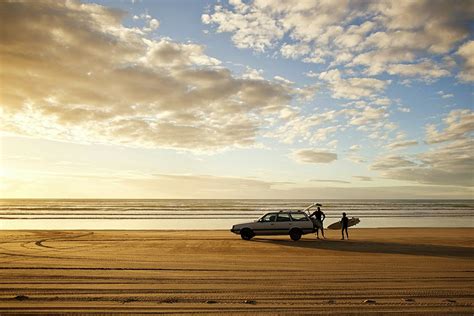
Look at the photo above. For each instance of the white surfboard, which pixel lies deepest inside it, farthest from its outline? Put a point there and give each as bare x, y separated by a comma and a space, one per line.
337, 225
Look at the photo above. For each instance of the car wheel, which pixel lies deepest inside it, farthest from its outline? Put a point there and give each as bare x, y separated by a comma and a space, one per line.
246, 234
295, 234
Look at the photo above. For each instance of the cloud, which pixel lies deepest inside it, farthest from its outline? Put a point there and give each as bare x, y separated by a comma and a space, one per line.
300, 126
307, 128
313, 156
322, 134
391, 162
311, 74
330, 181
466, 52
251, 73
294, 51
444, 95
250, 28
169, 54
362, 178
332, 144
404, 109
382, 101
450, 164
116, 184
153, 24
402, 144
381, 36
315, 128
356, 159
208, 184
87, 78
369, 115
352, 88
119, 183
427, 70
459, 124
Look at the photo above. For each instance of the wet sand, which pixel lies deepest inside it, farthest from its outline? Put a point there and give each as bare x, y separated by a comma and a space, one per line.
426, 271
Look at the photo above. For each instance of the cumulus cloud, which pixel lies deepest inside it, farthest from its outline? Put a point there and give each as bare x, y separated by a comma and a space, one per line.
250, 27
313, 156
355, 147
402, 144
381, 36
459, 124
382, 101
170, 54
294, 51
466, 52
352, 88
369, 115
444, 95
323, 133
85, 77
307, 128
426, 70
317, 128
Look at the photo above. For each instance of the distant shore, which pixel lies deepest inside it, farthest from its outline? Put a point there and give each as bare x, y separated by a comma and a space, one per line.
426, 271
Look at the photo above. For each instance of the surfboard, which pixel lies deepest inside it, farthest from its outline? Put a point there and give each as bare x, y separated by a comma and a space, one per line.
337, 225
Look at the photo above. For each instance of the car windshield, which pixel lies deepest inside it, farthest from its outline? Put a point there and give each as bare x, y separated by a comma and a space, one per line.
298, 217
269, 217
283, 217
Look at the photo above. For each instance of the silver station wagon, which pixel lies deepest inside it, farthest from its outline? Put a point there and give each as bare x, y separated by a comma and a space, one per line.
292, 223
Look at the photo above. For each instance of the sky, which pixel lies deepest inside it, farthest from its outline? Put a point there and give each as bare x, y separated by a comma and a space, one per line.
238, 99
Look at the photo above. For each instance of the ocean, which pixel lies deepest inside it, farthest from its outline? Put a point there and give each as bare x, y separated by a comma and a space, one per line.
176, 214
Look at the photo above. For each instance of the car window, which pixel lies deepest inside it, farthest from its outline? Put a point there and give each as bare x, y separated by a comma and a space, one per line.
269, 217
298, 217
283, 217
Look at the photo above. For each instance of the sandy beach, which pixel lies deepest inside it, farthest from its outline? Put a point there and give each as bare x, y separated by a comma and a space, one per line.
426, 271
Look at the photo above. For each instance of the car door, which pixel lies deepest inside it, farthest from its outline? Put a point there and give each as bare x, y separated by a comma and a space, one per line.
283, 224
265, 225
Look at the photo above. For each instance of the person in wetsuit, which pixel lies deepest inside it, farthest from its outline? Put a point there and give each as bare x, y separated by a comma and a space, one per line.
319, 217
344, 225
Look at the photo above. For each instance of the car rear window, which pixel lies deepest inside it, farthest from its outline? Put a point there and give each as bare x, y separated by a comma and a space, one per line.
298, 217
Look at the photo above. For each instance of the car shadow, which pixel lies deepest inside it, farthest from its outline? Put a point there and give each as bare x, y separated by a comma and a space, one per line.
375, 247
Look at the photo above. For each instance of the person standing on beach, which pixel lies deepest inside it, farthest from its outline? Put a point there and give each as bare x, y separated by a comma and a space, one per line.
344, 225
319, 218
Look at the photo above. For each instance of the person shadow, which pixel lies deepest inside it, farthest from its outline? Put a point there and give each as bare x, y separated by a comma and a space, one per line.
366, 246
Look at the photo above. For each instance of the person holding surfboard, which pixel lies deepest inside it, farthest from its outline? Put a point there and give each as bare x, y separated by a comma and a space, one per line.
344, 225
318, 221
